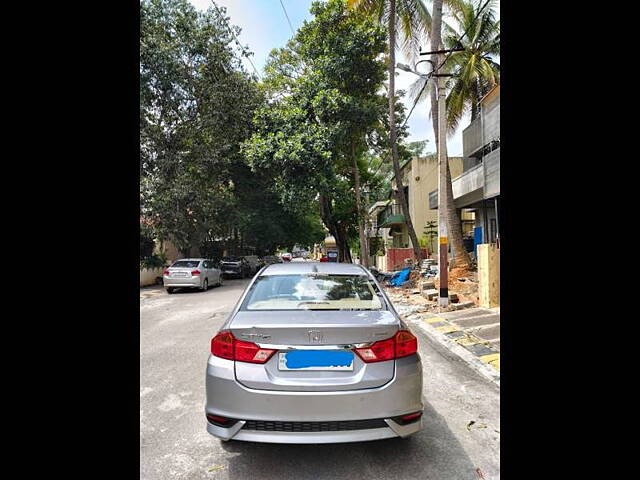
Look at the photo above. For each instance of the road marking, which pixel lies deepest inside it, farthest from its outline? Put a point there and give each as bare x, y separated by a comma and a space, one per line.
492, 359
434, 319
482, 327
447, 329
468, 317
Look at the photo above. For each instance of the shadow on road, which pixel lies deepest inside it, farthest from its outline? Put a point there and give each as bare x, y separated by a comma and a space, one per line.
226, 282
434, 453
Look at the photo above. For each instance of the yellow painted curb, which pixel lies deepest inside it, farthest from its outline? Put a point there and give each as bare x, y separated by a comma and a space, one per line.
492, 359
434, 319
447, 329
466, 341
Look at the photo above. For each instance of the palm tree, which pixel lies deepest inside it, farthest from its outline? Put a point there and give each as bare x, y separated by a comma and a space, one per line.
474, 68
475, 72
412, 18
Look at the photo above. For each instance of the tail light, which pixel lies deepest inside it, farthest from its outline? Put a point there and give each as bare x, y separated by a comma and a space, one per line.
225, 345
195, 273
402, 344
166, 272
222, 345
378, 352
406, 344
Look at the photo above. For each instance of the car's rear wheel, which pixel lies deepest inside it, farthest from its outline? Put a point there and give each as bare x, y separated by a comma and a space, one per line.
205, 285
170, 290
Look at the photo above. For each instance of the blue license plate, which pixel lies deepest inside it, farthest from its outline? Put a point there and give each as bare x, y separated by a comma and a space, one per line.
316, 360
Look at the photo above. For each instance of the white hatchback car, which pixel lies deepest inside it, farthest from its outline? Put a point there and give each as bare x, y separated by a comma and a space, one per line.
192, 273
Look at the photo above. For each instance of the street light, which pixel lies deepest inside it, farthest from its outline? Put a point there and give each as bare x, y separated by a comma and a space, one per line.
407, 68
436, 63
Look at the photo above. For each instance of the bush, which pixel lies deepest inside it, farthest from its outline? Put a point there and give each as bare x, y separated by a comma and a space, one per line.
153, 261
147, 242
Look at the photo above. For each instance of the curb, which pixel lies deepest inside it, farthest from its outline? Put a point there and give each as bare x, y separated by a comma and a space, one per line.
439, 336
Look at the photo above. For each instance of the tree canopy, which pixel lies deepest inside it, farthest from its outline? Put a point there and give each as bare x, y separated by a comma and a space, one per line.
196, 108
325, 113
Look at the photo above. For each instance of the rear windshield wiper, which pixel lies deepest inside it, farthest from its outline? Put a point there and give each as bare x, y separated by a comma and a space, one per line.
313, 303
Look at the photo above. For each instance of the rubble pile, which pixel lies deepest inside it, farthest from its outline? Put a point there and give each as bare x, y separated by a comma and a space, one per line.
463, 282
422, 290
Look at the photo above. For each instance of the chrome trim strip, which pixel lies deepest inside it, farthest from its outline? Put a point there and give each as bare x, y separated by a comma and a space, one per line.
315, 347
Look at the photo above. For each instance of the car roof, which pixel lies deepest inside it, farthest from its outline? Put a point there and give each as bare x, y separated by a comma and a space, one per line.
300, 268
189, 260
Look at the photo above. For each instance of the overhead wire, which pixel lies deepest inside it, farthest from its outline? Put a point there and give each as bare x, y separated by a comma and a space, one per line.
286, 15
245, 54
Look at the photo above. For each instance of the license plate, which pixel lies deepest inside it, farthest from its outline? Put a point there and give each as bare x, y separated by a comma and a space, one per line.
229, 271
179, 274
316, 360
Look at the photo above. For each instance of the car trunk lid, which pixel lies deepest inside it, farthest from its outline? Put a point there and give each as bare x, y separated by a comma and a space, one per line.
320, 330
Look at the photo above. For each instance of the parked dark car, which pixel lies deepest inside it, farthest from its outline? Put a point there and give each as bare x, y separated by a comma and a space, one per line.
235, 267
271, 259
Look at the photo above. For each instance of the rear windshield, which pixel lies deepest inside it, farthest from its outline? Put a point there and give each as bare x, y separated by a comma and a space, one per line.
186, 263
312, 292
231, 259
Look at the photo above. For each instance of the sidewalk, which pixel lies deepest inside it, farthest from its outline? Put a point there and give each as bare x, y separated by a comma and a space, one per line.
471, 334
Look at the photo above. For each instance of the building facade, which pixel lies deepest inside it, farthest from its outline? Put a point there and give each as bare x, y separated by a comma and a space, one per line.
387, 222
476, 190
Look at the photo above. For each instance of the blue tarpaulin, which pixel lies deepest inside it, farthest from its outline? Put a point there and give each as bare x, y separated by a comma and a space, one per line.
400, 278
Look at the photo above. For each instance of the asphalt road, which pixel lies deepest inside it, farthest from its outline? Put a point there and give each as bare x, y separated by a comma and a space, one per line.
175, 333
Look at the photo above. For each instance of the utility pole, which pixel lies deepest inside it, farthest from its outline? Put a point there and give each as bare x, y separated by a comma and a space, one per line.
443, 239
443, 235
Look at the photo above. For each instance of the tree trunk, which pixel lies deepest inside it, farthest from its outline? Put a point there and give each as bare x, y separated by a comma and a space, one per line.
364, 250
338, 231
344, 254
392, 133
460, 255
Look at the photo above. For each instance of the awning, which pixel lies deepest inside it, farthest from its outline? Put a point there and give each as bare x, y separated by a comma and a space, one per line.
392, 220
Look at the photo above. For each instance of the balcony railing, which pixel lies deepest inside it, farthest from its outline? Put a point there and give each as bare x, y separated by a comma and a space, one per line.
492, 174
469, 182
482, 131
472, 138
391, 215
468, 185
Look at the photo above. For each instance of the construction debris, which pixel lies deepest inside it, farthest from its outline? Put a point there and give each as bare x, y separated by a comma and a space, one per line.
429, 285
422, 288
460, 306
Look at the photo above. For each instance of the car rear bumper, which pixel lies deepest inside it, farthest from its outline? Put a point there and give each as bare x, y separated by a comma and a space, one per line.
232, 271
182, 282
239, 433
227, 398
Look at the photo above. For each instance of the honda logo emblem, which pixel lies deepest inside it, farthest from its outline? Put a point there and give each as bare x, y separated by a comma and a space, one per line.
315, 336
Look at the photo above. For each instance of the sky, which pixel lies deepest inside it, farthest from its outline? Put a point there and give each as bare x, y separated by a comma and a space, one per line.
265, 26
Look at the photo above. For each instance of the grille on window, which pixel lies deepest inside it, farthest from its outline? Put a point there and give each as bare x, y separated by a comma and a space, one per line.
274, 426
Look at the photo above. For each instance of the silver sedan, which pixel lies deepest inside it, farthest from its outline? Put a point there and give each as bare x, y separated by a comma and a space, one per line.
313, 353
192, 273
